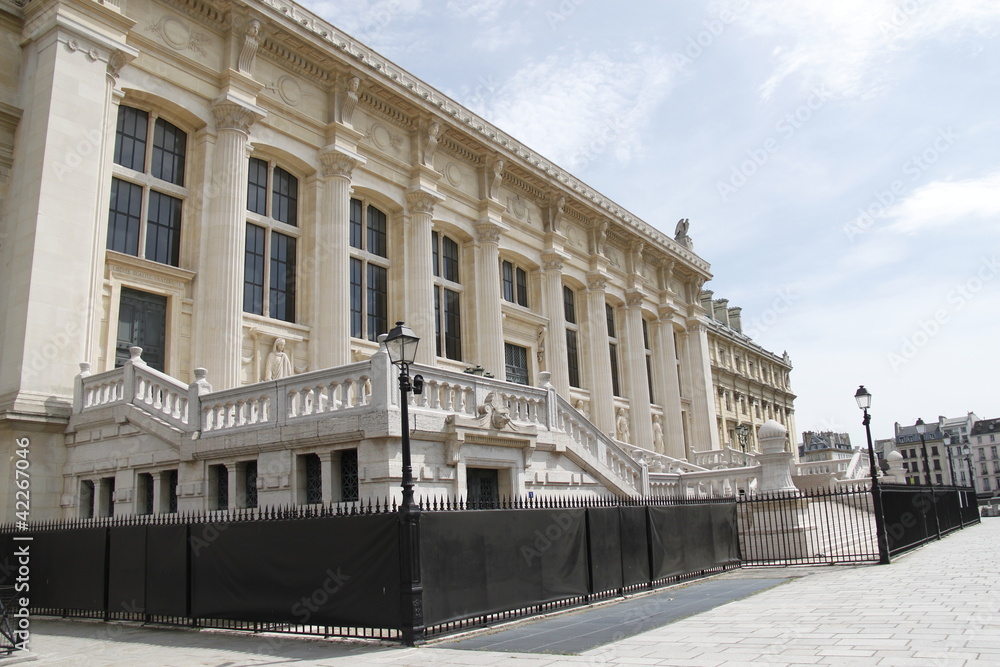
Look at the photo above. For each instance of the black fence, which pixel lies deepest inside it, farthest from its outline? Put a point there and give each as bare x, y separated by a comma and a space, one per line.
337, 571
915, 515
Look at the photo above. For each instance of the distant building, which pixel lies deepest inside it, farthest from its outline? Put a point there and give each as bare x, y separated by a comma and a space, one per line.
984, 437
942, 435
751, 384
825, 446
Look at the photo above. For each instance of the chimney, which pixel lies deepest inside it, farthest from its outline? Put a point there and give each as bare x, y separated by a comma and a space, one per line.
735, 322
721, 308
706, 300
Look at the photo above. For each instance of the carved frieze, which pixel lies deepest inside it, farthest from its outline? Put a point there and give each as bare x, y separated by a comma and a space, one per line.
178, 35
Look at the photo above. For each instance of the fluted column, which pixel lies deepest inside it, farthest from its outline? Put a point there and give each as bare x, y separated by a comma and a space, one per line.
555, 339
489, 320
665, 357
598, 359
331, 336
223, 242
419, 289
704, 434
638, 390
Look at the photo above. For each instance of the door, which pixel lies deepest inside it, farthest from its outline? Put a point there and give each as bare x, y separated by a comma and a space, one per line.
483, 486
142, 321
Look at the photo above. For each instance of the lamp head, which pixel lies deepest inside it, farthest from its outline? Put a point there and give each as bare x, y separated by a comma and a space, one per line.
965, 450
863, 398
401, 344
920, 426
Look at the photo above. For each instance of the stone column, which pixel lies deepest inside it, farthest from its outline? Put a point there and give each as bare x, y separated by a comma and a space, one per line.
665, 357
331, 337
597, 359
489, 320
638, 386
704, 435
419, 277
555, 338
223, 243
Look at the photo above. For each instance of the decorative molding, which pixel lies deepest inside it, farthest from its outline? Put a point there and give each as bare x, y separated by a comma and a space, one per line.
337, 164
233, 116
422, 202
597, 282
248, 53
487, 232
176, 34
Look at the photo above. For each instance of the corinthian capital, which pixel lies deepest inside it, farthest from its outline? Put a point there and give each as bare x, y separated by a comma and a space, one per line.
487, 232
233, 116
421, 202
337, 164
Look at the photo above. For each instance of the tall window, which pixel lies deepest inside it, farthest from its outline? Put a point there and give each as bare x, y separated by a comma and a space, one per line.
447, 297
310, 479
349, 488
649, 360
517, 363
369, 271
218, 479
609, 313
144, 493
147, 187
514, 283
572, 337
271, 239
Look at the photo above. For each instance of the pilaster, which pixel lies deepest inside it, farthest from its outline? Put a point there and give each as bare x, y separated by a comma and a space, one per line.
489, 318
419, 289
638, 392
555, 358
665, 353
602, 403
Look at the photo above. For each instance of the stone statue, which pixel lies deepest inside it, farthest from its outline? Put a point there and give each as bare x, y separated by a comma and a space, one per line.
495, 411
433, 136
602, 238
497, 178
250, 44
621, 425
278, 364
350, 100
681, 233
657, 434
581, 407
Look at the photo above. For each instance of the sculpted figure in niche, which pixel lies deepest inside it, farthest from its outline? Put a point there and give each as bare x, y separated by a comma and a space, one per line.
657, 434
433, 136
278, 364
497, 178
350, 100
621, 424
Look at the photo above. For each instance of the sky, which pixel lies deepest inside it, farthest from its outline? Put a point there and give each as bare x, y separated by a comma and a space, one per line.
839, 163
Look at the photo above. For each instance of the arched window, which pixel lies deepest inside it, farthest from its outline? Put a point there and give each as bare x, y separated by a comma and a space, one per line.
369, 271
447, 297
269, 277
147, 187
514, 283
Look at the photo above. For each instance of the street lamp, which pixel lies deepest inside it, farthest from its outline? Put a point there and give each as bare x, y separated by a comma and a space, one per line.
864, 400
946, 440
921, 429
743, 433
401, 344
967, 453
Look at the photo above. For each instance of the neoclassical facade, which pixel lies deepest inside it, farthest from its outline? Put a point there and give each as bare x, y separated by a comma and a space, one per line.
212, 210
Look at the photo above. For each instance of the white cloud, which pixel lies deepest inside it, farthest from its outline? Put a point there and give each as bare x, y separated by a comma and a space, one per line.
947, 203
578, 107
847, 45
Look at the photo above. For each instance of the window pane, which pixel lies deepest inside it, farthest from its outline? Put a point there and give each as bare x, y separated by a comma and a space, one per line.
435, 258
257, 187
449, 251
569, 305
169, 148
609, 314
376, 232
517, 363
378, 302
130, 138
522, 288
250, 483
615, 384
357, 298
253, 271
163, 229
452, 325
645, 334
507, 281
356, 225
649, 378
286, 197
282, 294
349, 475
314, 479
438, 337
124, 217
572, 359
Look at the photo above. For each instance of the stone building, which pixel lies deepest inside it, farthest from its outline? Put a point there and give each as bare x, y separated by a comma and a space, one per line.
984, 438
749, 384
212, 210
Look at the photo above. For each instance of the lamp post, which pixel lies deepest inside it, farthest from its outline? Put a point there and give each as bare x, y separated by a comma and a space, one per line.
967, 453
951, 463
921, 429
743, 433
864, 400
401, 344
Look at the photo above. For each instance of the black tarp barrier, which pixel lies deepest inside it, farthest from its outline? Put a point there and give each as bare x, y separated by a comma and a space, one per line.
486, 561
691, 538
330, 571
127, 569
167, 570
909, 517
67, 569
634, 545
605, 550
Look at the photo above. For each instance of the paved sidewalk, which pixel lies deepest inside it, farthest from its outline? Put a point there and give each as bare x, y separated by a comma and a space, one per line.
937, 606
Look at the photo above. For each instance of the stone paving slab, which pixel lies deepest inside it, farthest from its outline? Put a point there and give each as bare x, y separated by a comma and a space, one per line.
828, 615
